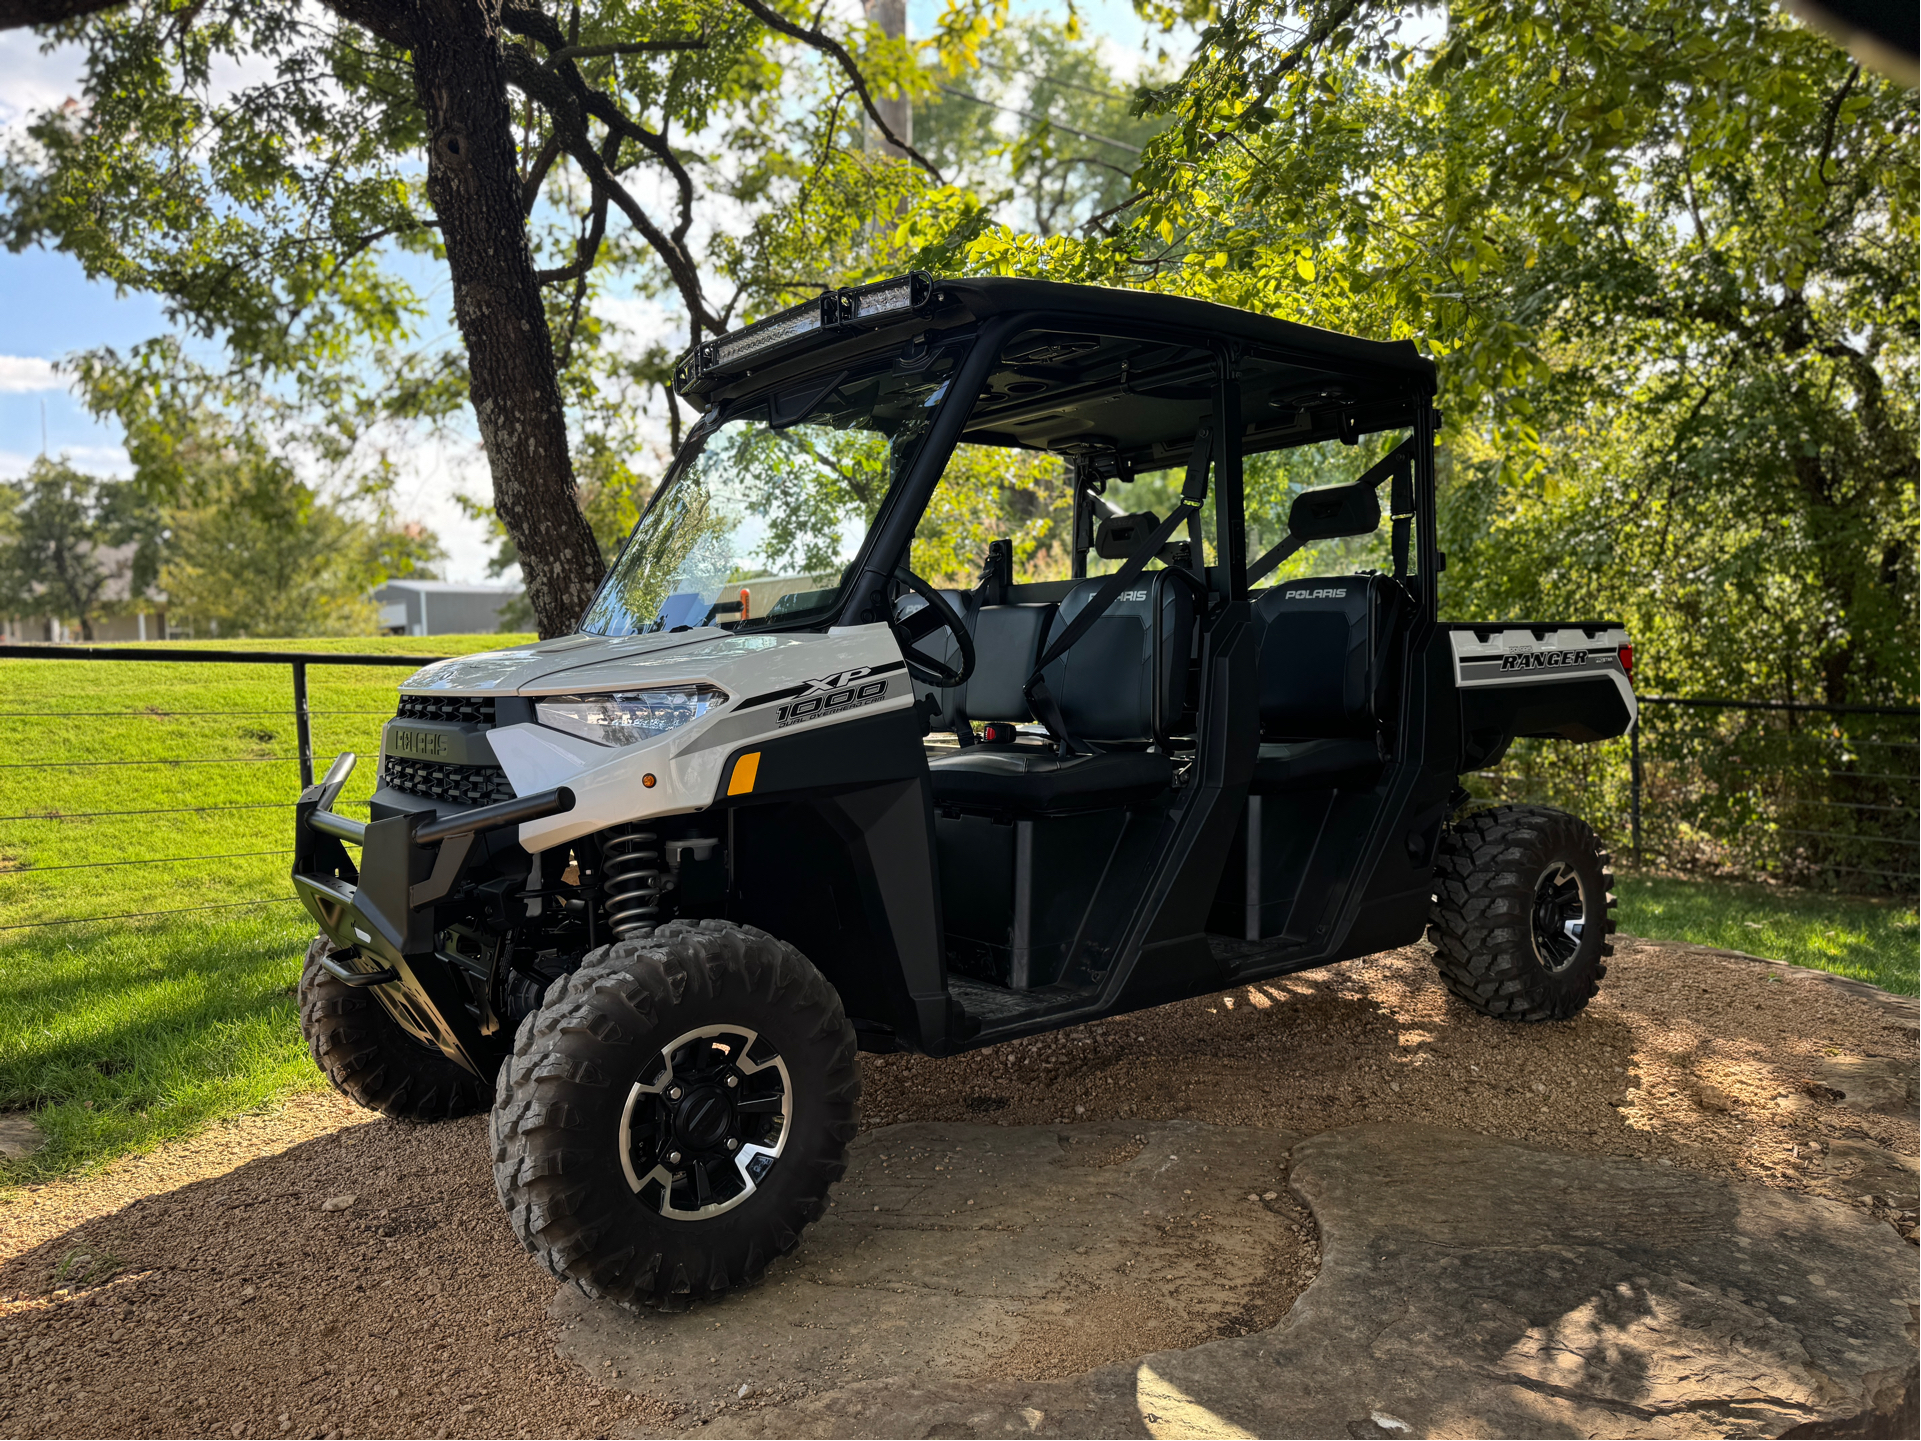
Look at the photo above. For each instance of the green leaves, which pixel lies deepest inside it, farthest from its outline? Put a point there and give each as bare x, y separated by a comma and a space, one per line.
1657, 252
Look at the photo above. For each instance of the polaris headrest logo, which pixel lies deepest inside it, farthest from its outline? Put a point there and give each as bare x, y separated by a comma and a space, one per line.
1340, 594
1132, 595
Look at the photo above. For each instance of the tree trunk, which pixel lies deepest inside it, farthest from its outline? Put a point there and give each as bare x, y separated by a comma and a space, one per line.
891, 17
474, 184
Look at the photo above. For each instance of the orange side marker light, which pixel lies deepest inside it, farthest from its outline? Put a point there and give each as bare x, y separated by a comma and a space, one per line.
745, 770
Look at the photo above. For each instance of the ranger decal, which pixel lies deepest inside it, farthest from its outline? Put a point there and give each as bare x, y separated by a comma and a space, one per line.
1543, 659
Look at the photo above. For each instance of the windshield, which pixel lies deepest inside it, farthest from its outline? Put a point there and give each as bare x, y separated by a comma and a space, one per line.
758, 521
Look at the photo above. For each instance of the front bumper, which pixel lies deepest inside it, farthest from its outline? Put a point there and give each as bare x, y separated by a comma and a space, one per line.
380, 914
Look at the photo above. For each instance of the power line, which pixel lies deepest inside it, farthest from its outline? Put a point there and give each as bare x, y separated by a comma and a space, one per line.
141, 915
1040, 119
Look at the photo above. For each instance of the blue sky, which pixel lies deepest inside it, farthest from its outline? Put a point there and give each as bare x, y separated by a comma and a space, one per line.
49, 309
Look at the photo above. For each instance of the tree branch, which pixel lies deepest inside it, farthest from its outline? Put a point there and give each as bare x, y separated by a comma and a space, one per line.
831, 47
537, 173
567, 101
1834, 115
586, 249
388, 22
537, 25
16, 14
632, 47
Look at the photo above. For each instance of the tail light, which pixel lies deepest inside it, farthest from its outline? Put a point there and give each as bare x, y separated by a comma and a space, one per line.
745, 600
1626, 653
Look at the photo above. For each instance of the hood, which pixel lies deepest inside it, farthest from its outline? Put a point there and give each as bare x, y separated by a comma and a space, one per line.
595, 662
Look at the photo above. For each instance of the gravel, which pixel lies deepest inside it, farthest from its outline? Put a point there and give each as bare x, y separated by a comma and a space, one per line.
206, 1289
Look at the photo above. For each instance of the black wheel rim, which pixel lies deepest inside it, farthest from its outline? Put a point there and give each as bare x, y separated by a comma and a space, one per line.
706, 1122
1559, 916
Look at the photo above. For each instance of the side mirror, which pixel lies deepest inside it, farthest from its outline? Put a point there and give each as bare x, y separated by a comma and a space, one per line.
1334, 511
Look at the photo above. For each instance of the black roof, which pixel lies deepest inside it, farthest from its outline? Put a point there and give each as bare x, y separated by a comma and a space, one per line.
1347, 353
1070, 383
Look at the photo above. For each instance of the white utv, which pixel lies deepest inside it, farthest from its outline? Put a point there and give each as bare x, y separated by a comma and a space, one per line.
645, 890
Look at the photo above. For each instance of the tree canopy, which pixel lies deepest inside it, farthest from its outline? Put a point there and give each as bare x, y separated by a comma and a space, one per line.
566, 153
1663, 255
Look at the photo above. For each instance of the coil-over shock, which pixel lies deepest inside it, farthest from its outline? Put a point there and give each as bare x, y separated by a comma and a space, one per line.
632, 880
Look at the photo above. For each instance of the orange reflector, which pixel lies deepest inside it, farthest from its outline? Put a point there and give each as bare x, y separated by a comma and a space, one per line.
648, 780
745, 769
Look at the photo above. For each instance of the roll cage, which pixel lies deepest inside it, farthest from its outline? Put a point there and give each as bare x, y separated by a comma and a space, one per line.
1274, 384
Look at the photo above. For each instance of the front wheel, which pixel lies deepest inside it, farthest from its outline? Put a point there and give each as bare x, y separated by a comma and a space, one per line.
368, 1057
674, 1113
1522, 912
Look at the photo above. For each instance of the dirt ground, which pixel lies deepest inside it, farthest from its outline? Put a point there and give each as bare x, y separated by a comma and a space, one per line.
206, 1290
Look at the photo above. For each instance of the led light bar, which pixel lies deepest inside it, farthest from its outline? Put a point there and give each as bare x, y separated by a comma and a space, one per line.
886, 298
776, 330
875, 304
898, 296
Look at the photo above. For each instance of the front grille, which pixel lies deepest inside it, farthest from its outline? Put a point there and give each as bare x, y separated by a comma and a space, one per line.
470, 709
444, 781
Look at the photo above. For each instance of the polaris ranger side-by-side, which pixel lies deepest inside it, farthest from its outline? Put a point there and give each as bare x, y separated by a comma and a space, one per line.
646, 889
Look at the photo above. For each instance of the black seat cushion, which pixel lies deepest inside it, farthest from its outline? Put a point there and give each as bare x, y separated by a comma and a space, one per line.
1316, 765
1007, 642
1037, 778
1125, 679
1324, 643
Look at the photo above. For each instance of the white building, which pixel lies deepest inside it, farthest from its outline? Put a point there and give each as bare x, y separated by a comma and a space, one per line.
441, 607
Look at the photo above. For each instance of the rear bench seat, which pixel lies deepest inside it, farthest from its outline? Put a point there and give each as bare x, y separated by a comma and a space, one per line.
1325, 644
1120, 687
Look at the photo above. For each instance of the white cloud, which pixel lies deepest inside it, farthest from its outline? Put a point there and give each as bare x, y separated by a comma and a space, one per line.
31, 81
20, 374
93, 459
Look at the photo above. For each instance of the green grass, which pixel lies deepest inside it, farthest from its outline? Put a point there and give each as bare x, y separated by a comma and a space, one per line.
118, 1039
120, 1034
1870, 940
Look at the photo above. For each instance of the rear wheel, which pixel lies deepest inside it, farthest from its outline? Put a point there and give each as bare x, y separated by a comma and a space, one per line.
1522, 912
673, 1115
371, 1060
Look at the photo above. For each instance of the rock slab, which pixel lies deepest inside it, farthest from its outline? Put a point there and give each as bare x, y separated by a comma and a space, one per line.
950, 1248
1474, 1287
19, 1136
1468, 1288
1874, 1083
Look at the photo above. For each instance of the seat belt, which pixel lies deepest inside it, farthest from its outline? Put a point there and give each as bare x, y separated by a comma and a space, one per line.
1193, 493
1400, 509
1399, 463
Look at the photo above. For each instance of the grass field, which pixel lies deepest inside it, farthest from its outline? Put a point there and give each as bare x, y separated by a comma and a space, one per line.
119, 1034
1871, 940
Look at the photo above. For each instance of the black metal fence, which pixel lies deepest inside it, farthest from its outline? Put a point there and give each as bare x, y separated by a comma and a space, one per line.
47, 832
1811, 795
1814, 795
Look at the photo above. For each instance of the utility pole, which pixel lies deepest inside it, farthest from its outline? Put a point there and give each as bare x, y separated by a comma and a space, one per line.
891, 17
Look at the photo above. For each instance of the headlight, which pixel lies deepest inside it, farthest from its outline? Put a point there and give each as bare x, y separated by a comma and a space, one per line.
629, 716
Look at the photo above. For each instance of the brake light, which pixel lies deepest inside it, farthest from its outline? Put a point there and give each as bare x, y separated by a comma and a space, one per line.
1627, 660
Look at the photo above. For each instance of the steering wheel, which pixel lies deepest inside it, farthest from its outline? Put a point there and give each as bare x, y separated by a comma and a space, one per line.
937, 613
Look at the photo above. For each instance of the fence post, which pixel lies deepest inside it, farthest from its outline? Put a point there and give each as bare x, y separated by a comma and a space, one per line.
303, 723
1634, 785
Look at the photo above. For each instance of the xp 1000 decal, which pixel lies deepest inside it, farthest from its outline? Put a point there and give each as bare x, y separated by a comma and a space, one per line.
835, 694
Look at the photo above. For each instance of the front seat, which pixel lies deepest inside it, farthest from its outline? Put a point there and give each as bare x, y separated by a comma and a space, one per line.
1119, 688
